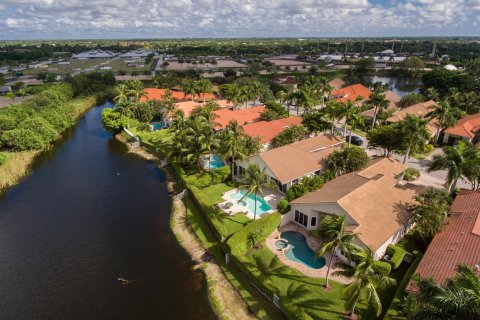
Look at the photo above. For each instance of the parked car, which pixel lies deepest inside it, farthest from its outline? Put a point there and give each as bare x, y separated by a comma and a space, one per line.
355, 140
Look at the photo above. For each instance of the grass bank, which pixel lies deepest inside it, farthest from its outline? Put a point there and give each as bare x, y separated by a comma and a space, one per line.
18, 164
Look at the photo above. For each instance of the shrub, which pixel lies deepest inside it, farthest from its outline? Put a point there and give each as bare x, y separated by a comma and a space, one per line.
144, 127
41, 127
208, 178
21, 139
349, 159
4, 157
59, 121
283, 206
112, 120
411, 174
7, 122
383, 267
397, 254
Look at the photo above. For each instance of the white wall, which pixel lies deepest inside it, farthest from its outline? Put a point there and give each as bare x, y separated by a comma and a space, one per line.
315, 210
394, 239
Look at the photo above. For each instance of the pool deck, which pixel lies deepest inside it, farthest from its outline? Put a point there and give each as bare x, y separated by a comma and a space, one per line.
313, 243
271, 197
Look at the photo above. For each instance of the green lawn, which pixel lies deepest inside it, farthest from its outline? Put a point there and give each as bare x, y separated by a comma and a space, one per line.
214, 192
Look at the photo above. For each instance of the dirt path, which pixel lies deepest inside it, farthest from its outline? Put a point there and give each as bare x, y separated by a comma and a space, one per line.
226, 297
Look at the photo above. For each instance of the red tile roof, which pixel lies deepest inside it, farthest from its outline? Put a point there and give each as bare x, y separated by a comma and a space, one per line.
158, 94
267, 130
466, 127
243, 116
458, 242
351, 93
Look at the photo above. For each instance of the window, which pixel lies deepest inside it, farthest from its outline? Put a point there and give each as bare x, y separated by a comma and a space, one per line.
301, 218
294, 182
317, 172
313, 223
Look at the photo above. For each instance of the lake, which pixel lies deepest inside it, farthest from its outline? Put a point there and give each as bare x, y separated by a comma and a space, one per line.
400, 85
88, 214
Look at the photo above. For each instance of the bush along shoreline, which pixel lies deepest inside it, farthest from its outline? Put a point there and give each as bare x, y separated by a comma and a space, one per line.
31, 127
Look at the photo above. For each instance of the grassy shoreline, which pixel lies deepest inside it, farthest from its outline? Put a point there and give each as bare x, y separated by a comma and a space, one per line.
18, 164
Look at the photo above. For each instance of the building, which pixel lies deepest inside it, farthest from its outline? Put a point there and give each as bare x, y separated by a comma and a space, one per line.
351, 93
420, 110
336, 83
288, 83
268, 130
457, 242
465, 129
375, 205
137, 54
5, 89
394, 104
450, 67
286, 165
242, 116
159, 94
94, 54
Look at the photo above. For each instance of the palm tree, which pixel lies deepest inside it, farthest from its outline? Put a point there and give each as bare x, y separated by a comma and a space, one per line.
446, 116
414, 131
353, 118
255, 90
332, 228
205, 86
189, 86
458, 298
210, 140
334, 111
470, 102
232, 145
367, 278
455, 160
378, 101
135, 90
254, 182
431, 94
349, 108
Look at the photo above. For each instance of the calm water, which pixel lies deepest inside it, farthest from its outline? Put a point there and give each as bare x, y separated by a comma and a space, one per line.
90, 213
401, 86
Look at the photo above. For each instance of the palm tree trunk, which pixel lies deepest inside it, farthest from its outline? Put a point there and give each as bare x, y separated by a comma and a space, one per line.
350, 137
327, 277
453, 185
352, 312
255, 210
407, 153
437, 134
333, 125
374, 117
345, 128
233, 167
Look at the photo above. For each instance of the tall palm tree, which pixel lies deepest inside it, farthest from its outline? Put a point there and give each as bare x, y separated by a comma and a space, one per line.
204, 86
333, 229
211, 142
190, 87
445, 115
367, 278
455, 160
414, 132
458, 298
431, 94
135, 90
254, 182
348, 110
470, 102
379, 103
255, 90
325, 88
232, 144
334, 111
354, 118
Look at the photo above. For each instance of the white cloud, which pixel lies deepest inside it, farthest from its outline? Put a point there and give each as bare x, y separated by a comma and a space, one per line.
167, 18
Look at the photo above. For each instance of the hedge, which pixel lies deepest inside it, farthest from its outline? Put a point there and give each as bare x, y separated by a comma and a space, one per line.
237, 244
383, 267
393, 312
397, 254
208, 178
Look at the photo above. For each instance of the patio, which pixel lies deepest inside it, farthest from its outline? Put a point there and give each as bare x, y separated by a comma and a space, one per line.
231, 205
313, 243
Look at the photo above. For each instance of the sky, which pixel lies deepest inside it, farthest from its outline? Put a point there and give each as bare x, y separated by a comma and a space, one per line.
90, 19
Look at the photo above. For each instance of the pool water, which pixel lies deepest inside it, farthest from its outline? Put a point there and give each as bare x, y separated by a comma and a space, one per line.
215, 164
281, 244
156, 126
262, 205
300, 251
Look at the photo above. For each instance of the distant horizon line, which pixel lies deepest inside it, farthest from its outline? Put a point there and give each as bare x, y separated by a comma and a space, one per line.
239, 38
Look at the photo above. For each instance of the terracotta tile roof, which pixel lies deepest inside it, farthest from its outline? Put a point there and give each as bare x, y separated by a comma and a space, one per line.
199, 97
267, 130
187, 106
419, 110
394, 104
300, 158
336, 83
351, 93
243, 116
158, 94
466, 127
372, 198
458, 242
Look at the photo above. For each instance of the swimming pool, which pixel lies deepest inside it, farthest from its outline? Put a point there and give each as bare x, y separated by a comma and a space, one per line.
215, 164
262, 205
300, 251
156, 126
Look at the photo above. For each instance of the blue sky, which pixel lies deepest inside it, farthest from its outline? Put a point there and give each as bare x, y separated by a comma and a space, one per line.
80, 19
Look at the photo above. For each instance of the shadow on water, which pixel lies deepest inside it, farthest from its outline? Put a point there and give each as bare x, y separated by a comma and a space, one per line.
88, 214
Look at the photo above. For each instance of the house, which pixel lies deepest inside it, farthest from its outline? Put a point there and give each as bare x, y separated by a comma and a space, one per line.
393, 104
137, 54
242, 116
336, 83
286, 165
94, 54
159, 94
375, 205
465, 129
419, 110
457, 242
5, 89
287, 82
351, 93
268, 130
